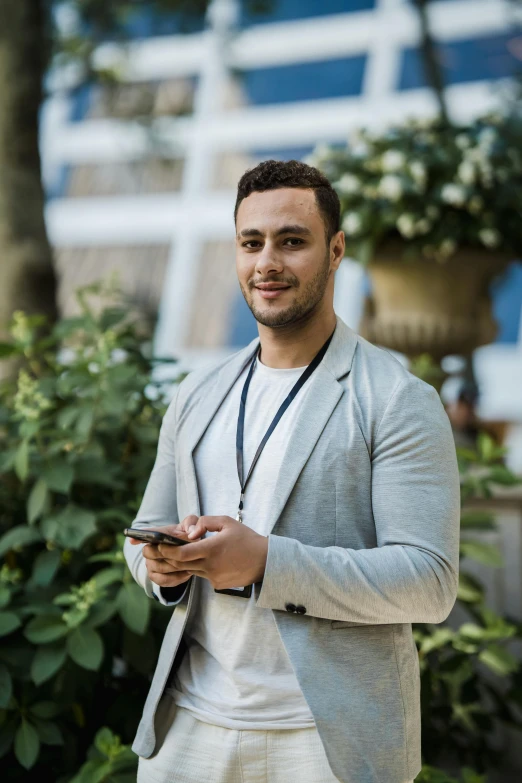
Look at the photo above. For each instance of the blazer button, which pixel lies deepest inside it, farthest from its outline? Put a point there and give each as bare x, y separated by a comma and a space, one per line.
290, 607
300, 609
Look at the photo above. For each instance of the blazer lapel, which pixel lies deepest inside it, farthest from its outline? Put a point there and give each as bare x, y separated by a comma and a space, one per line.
207, 409
320, 401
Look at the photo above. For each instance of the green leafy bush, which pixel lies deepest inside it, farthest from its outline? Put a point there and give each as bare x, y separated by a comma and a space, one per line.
469, 675
79, 428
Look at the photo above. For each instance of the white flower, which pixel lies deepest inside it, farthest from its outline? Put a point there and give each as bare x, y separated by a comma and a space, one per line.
352, 223
489, 237
487, 137
390, 187
453, 194
466, 172
393, 160
422, 226
406, 225
462, 141
418, 172
349, 184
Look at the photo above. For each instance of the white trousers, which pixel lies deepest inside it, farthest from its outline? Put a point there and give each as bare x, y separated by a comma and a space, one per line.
197, 752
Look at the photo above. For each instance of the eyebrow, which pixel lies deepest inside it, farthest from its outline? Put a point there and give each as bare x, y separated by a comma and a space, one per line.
293, 229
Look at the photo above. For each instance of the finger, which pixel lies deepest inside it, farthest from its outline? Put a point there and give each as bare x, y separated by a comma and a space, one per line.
189, 522
163, 567
196, 550
151, 552
170, 580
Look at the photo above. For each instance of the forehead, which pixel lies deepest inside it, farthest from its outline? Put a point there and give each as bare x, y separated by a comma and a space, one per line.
270, 209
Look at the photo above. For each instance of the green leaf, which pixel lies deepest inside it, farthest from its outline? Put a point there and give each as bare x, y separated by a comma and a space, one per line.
108, 576
93, 771
26, 744
499, 474
499, 660
5, 596
49, 732
45, 567
36, 501
477, 520
105, 740
45, 628
101, 613
134, 607
7, 349
9, 622
85, 646
84, 422
487, 554
58, 476
470, 590
439, 638
47, 661
44, 709
67, 416
21, 460
18, 537
71, 527
6, 686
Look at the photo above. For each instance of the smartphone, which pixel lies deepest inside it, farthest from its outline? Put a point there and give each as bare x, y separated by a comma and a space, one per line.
153, 537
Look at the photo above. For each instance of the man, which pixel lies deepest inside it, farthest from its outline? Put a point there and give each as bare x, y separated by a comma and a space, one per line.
345, 520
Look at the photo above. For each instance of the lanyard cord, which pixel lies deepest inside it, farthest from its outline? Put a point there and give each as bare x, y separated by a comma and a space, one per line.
285, 404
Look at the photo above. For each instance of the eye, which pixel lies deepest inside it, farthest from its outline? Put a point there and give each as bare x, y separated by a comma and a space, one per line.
295, 239
251, 241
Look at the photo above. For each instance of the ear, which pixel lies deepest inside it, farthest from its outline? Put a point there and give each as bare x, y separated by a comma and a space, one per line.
337, 249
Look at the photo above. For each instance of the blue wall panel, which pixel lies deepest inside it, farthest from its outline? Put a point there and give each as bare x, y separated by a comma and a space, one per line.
305, 81
463, 61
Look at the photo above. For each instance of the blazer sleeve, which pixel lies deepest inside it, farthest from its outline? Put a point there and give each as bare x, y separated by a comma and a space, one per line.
411, 576
158, 507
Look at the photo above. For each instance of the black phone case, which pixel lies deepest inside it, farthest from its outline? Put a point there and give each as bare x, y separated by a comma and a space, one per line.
164, 537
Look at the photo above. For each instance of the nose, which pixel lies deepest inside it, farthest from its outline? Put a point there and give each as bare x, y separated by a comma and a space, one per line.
268, 262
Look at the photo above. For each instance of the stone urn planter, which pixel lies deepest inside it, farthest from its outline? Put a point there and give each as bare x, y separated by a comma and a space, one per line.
422, 306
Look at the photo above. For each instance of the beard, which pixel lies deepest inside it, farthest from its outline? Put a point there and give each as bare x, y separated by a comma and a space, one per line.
305, 302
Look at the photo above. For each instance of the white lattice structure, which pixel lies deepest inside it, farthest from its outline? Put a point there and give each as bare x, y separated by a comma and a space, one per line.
198, 212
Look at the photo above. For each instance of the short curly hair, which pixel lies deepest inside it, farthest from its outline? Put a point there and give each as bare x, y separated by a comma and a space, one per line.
274, 174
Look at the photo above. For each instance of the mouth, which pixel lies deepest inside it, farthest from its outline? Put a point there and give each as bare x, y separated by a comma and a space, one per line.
272, 290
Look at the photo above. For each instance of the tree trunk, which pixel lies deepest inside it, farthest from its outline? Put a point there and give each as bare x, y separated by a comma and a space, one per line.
27, 278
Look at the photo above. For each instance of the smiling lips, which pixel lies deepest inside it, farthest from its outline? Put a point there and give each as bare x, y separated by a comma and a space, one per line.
271, 290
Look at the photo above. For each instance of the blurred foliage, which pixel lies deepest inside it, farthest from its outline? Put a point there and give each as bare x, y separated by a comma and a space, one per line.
470, 678
78, 430
438, 187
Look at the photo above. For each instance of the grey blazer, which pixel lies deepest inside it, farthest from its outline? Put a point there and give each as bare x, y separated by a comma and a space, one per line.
365, 537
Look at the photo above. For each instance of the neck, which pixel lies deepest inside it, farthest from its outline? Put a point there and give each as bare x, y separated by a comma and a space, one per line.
295, 345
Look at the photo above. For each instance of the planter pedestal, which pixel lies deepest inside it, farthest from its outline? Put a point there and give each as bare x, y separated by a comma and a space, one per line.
423, 306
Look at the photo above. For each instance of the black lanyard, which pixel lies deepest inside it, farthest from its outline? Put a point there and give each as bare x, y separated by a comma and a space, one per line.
284, 405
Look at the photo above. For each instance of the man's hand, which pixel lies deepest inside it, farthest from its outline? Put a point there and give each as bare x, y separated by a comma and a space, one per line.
160, 571
234, 556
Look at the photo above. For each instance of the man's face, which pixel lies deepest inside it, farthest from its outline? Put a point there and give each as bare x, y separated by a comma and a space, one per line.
282, 260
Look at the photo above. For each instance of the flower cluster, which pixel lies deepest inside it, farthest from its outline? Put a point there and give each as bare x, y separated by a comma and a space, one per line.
437, 187
29, 402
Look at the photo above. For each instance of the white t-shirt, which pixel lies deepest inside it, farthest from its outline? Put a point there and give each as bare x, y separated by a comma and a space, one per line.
236, 672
